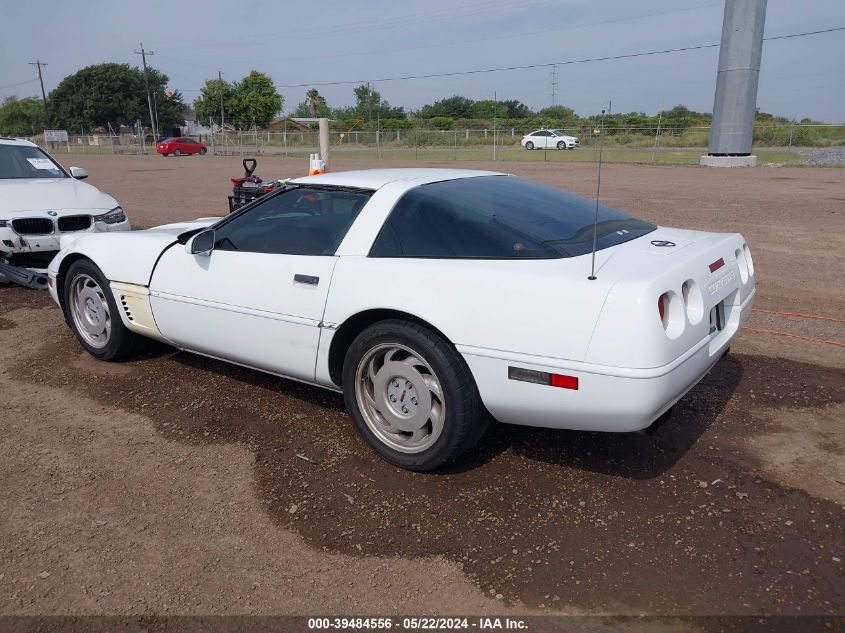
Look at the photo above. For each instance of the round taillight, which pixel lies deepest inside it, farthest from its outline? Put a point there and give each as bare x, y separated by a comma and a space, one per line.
663, 309
748, 259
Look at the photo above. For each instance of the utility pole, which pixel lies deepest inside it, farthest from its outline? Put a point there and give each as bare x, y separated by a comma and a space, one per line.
38, 64
554, 84
495, 107
143, 55
220, 79
369, 104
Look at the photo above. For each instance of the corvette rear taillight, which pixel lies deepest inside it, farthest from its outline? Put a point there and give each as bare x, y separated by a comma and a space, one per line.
748, 259
663, 309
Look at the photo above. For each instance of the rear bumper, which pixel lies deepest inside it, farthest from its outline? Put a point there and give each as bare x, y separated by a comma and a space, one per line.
607, 399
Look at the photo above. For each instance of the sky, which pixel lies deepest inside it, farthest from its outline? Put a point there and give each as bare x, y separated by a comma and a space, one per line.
375, 40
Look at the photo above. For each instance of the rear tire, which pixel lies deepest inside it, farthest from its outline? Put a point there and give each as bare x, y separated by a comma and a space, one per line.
203, 151
93, 314
411, 395
178, 152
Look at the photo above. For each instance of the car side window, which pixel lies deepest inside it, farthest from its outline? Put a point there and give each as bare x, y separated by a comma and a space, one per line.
298, 221
499, 217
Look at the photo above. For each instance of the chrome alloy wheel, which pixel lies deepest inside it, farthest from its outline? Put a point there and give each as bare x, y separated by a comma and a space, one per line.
89, 309
400, 398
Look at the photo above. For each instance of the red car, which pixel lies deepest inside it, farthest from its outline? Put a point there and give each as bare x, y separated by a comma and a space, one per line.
180, 145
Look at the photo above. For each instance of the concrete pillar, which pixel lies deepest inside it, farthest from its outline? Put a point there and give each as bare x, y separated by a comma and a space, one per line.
735, 102
324, 141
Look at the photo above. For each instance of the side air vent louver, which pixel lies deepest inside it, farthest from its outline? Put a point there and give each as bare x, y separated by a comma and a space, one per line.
126, 307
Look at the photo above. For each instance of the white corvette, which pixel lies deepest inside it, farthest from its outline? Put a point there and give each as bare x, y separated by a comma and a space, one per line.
40, 202
431, 298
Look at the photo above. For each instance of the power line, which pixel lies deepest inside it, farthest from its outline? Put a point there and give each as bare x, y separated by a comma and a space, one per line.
20, 83
393, 22
551, 64
497, 38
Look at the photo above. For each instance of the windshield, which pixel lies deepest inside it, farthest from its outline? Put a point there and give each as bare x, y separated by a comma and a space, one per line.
500, 217
24, 161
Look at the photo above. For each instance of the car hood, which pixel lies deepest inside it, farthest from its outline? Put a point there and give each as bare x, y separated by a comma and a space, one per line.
25, 195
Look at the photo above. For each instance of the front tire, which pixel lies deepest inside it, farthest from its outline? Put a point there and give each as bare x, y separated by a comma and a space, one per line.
561, 145
93, 314
529, 145
411, 396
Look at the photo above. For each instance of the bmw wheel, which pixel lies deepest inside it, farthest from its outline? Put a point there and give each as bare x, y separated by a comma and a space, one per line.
529, 145
93, 314
411, 395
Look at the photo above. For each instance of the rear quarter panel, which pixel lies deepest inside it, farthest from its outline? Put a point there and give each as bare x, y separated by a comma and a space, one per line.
539, 307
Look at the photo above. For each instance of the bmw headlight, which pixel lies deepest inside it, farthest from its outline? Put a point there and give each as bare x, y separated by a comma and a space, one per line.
115, 216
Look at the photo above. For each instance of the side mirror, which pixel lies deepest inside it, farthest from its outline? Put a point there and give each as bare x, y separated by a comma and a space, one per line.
202, 243
78, 173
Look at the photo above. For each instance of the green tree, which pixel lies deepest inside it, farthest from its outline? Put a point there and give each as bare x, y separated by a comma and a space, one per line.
21, 117
168, 103
516, 109
456, 107
207, 104
559, 114
254, 101
112, 94
681, 117
484, 109
315, 102
370, 104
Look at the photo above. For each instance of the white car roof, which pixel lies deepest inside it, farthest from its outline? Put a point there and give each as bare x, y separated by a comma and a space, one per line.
7, 140
378, 178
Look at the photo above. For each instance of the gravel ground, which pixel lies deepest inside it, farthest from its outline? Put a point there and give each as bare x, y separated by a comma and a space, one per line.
176, 484
827, 156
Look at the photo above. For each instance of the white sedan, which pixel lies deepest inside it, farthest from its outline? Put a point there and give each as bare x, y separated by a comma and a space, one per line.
39, 202
549, 139
432, 298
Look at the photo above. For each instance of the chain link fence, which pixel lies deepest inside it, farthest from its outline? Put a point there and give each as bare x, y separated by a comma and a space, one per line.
656, 145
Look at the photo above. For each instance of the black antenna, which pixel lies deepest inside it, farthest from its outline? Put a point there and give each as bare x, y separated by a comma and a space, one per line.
592, 276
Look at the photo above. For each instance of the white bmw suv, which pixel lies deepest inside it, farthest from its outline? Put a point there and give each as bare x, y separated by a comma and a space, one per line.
39, 202
549, 139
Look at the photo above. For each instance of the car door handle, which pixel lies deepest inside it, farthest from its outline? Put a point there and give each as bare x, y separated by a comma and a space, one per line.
311, 280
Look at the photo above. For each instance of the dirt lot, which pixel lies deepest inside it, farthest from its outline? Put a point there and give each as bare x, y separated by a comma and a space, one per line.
171, 483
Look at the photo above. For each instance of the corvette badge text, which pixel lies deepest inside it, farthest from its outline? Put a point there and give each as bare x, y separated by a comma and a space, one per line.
721, 283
